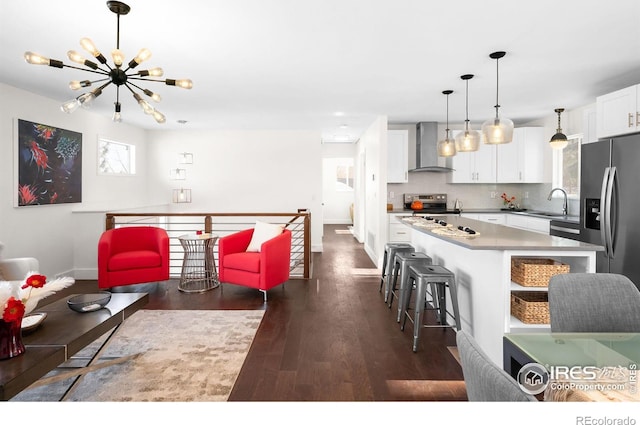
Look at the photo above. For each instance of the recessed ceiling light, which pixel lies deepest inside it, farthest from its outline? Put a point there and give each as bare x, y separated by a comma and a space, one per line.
338, 114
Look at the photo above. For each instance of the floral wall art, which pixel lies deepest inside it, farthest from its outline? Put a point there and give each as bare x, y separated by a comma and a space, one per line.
49, 164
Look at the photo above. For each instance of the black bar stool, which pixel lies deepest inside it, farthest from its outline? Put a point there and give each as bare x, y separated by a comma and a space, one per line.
401, 263
438, 279
390, 249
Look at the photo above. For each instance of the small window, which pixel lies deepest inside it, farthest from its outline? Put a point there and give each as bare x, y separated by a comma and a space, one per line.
566, 167
116, 158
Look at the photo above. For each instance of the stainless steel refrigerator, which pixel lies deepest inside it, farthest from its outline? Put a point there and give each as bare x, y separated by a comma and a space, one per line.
610, 203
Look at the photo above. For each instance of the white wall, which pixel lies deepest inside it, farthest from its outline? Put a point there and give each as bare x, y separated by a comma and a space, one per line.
374, 185
50, 232
336, 204
242, 171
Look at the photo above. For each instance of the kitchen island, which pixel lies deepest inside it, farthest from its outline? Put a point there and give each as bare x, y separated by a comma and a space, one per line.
481, 263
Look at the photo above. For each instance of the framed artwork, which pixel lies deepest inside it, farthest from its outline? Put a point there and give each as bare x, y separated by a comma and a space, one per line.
49, 164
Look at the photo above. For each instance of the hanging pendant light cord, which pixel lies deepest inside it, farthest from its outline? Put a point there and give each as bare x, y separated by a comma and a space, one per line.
497, 88
466, 101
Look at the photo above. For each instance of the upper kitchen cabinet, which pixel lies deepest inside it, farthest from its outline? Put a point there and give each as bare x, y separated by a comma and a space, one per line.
474, 167
397, 156
521, 161
618, 112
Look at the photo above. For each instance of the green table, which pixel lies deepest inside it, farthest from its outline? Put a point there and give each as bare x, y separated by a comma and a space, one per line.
578, 358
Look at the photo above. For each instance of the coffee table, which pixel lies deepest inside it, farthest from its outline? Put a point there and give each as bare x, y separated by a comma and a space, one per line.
63, 334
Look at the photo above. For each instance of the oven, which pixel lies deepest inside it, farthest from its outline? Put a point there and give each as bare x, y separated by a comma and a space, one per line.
432, 203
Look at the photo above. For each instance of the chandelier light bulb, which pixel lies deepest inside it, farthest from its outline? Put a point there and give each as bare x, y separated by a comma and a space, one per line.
86, 100
70, 105
75, 57
117, 116
118, 57
185, 84
36, 59
155, 96
153, 72
89, 46
143, 55
159, 117
75, 85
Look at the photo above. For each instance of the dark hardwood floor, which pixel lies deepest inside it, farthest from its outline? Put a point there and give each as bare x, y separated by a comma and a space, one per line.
328, 338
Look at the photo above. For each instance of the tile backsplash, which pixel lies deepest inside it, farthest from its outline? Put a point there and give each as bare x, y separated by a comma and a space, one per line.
478, 196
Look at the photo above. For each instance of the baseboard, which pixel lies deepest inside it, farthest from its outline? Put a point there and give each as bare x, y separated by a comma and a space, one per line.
337, 221
81, 274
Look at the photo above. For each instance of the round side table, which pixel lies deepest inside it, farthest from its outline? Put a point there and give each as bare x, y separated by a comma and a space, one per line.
199, 272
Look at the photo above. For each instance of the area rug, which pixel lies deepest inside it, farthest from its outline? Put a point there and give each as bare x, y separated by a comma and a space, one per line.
186, 355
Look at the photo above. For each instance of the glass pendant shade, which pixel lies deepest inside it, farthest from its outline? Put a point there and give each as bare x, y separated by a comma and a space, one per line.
447, 147
497, 131
468, 140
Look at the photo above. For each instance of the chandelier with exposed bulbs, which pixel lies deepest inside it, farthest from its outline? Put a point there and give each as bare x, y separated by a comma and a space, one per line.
118, 75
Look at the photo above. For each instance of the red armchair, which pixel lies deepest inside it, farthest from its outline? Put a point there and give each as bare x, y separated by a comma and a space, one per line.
129, 255
262, 270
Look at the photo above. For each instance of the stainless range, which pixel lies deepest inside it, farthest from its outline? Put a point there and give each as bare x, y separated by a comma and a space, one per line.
432, 203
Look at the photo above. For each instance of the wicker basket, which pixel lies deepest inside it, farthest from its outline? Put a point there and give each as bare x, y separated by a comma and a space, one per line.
529, 271
530, 307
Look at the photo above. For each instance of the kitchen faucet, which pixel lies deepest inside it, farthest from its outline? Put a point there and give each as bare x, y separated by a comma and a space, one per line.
564, 205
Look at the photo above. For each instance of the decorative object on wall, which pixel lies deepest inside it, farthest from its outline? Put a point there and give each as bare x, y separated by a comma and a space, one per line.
112, 75
559, 140
181, 196
49, 164
178, 174
469, 139
447, 147
185, 158
497, 130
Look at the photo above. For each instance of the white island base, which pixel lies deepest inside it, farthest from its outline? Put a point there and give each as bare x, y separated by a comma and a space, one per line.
482, 267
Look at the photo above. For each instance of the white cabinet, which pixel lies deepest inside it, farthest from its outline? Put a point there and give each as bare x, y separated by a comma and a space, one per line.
589, 130
474, 167
525, 222
618, 112
521, 161
495, 218
397, 156
398, 232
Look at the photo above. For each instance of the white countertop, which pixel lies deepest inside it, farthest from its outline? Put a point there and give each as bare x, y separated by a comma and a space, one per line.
497, 237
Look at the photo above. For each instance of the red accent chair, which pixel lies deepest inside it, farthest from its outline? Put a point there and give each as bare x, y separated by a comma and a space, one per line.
129, 255
261, 270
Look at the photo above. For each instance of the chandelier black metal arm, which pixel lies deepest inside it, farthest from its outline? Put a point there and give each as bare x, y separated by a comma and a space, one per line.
114, 74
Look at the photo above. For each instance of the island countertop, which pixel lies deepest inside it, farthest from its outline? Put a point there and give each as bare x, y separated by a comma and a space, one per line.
497, 237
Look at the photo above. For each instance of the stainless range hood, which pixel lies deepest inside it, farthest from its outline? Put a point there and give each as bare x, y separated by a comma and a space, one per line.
427, 149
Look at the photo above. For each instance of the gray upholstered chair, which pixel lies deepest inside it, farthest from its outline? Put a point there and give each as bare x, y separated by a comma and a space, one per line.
17, 268
593, 302
485, 381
